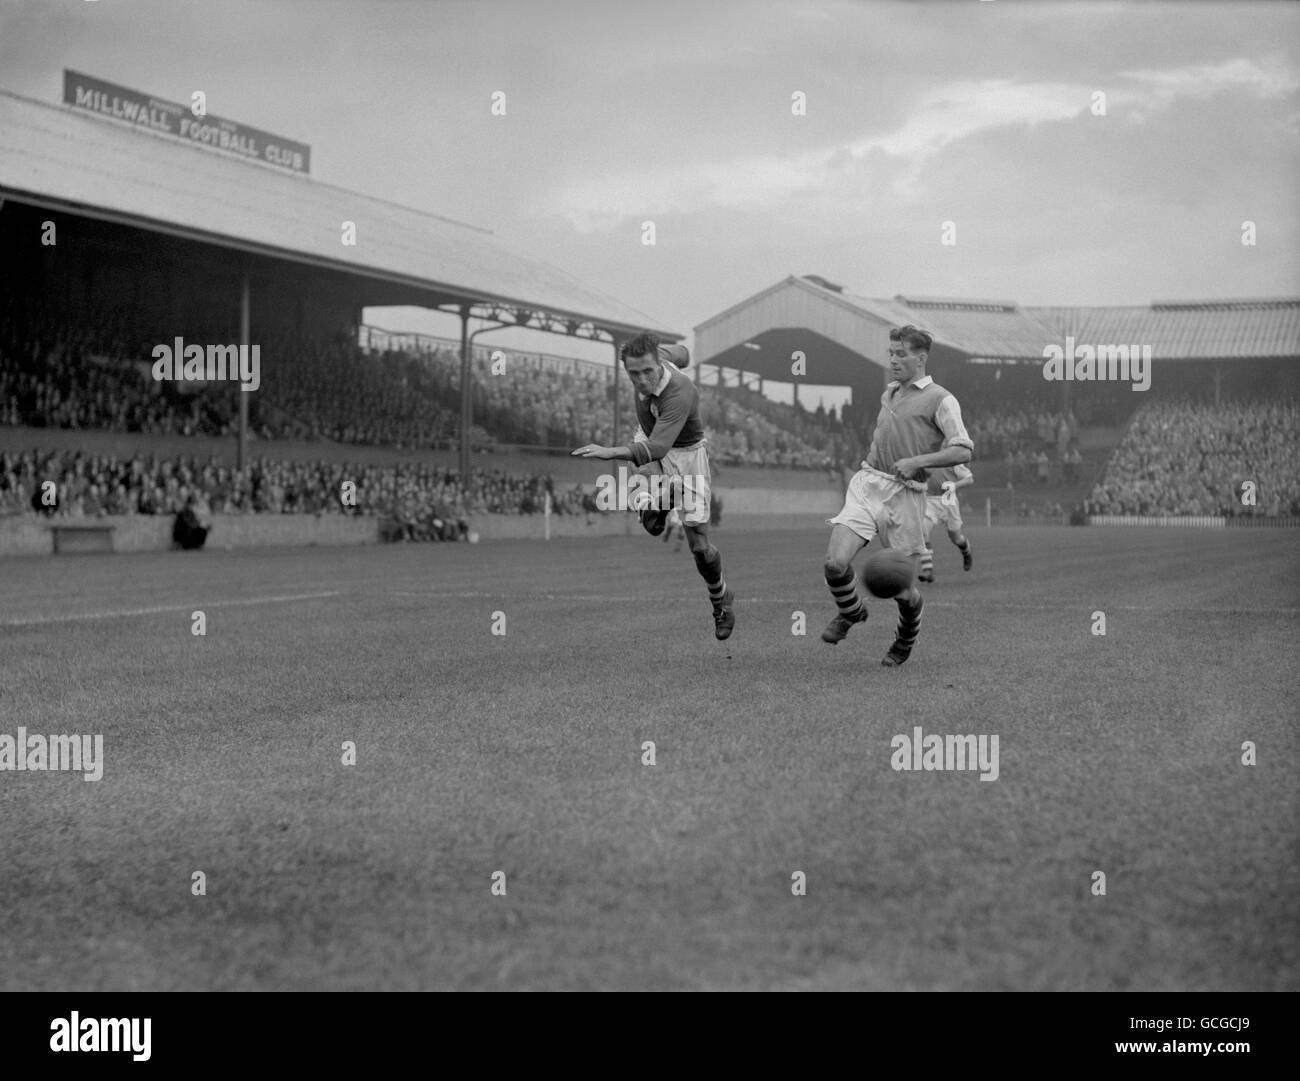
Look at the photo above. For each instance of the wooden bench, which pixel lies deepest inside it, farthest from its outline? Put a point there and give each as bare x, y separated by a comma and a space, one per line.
82, 536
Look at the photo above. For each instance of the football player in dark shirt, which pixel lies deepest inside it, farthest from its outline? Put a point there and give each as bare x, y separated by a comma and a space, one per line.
670, 441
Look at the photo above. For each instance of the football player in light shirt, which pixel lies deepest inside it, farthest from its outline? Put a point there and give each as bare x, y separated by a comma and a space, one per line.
941, 505
919, 428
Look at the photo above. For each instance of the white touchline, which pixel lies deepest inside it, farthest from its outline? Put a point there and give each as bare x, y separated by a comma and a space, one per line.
122, 613
604, 598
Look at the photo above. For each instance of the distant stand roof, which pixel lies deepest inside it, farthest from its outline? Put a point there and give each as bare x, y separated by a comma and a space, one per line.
987, 328
1191, 330
844, 330
56, 156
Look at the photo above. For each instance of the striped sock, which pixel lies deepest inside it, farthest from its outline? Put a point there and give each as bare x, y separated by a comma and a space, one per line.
927, 564
844, 588
709, 564
909, 626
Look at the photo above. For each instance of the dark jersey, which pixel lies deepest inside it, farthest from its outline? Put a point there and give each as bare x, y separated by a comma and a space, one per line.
670, 418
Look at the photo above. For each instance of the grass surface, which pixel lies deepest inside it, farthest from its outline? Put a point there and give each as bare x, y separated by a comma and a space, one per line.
522, 753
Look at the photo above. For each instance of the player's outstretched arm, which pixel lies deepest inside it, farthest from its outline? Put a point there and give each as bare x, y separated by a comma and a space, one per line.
595, 450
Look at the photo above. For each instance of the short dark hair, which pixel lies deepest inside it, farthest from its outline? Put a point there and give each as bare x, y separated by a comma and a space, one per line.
916, 339
642, 345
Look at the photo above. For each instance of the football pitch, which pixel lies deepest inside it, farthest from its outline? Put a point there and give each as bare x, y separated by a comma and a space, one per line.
770, 845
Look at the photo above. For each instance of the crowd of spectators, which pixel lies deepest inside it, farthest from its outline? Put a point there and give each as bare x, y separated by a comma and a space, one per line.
999, 431
521, 400
423, 500
93, 372
1196, 459
1037, 447
333, 389
55, 374
745, 427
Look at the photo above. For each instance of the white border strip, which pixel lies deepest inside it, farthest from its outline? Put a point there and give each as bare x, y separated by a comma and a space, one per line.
122, 613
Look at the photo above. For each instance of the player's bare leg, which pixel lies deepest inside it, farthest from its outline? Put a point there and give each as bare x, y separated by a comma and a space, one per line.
842, 582
963, 546
673, 528
671, 524
708, 561
926, 573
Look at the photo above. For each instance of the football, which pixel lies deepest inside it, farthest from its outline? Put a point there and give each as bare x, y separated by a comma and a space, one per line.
888, 572
676, 354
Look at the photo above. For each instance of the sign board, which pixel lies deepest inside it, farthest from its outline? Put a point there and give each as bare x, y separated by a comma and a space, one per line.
168, 118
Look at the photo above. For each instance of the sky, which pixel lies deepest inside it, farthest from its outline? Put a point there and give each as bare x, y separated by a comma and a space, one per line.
982, 113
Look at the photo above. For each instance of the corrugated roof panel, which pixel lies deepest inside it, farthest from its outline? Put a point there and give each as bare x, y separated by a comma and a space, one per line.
981, 328
956, 303
1195, 331
1268, 327
63, 155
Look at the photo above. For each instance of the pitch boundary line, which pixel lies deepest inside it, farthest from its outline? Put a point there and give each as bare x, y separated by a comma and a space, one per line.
122, 613
607, 599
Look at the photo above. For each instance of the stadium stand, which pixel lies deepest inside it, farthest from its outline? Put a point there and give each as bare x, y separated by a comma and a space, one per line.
1187, 458
85, 371
423, 501
92, 371
333, 390
60, 371
747, 427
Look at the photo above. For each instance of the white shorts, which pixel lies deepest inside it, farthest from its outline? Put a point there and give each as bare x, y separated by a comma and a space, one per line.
878, 505
691, 495
936, 511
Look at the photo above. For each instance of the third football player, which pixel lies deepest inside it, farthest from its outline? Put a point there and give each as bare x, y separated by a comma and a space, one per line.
942, 505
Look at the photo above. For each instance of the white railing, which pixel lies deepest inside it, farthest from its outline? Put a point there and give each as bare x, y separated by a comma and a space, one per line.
1192, 521
1198, 521
371, 337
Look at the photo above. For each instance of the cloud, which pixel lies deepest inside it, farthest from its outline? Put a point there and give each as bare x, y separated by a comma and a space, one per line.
1158, 90
939, 118
960, 110
1202, 80
942, 116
